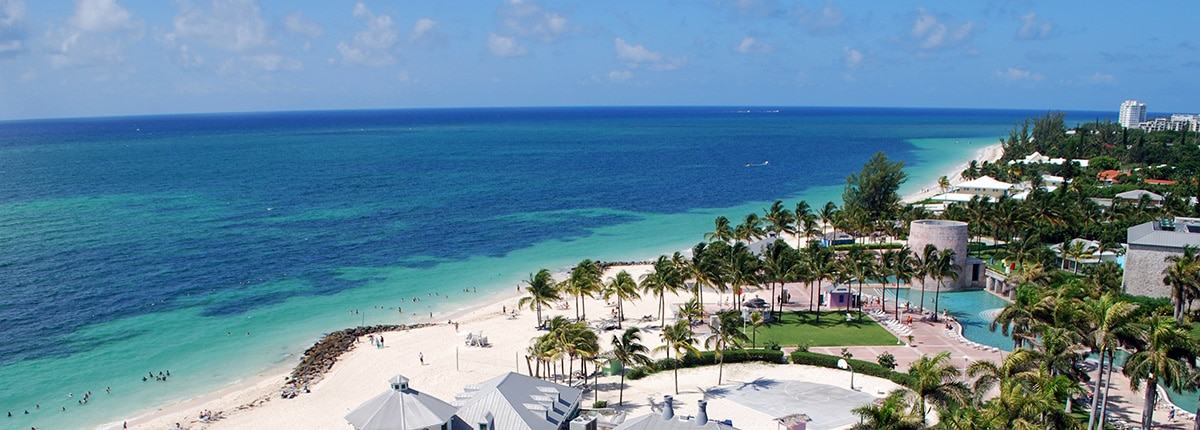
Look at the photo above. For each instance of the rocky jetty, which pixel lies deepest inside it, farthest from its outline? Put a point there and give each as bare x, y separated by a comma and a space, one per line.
319, 358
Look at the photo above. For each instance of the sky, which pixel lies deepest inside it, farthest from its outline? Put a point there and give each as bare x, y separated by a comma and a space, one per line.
85, 58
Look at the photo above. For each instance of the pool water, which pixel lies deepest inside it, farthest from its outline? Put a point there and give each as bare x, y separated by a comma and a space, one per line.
974, 310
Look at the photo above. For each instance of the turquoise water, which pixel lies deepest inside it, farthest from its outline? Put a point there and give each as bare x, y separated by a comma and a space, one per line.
218, 246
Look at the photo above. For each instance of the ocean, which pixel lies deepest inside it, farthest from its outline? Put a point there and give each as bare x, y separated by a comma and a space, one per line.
218, 246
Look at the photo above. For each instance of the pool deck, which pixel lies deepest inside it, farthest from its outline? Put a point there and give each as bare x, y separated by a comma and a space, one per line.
930, 338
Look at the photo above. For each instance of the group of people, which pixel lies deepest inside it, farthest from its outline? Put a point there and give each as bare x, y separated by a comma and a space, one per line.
161, 377
83, 401
378, 342
207, 415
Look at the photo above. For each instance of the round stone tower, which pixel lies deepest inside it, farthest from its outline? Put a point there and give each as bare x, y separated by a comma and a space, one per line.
944, 235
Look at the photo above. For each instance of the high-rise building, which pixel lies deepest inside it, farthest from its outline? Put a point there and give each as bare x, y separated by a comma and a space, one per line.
1133, 112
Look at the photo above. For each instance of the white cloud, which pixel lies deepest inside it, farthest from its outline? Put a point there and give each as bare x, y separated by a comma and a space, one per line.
95, 35
1099, 78
929, 33
295, 23
502, 46
529, 20
1034, 29
229, 25
636, 56
752, 45
12, 27
1014, 74
854, 57
372, 46
824, 22
100, 15
422, 27
620, 75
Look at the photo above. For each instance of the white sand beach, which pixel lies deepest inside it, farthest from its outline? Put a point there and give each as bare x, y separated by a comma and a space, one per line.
990, 153
449, 365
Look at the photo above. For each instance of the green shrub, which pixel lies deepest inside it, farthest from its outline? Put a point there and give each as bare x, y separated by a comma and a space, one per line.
707, 358
600, 404
862, 367
887, 360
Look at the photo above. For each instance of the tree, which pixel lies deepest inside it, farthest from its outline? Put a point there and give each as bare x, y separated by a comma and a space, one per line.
943, 184
943, 268
819, 260
725, 334
722, 232
935, 380
628, 350
779, 220
756, 321
680, 338
893, 412
1076, 250
542, 292
926, 264
584, 280
1164, 357
874, 188
1109, 321
1183, 275
623, 287
665, 278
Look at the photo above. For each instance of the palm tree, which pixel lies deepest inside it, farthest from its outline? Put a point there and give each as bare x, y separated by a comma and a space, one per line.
726, 333
664, 279
723, 231
904, 268
584, 280
749, 230
743, 268
756, 321
926, 263
680, 338
778, 264
1164, 357
542, 292
943, 183
1016, 320
779, 220
828, 213
819, 260
1109, 321
943, 268
623, 287
935, 380
1076, 250
1183, 275
893, 412
627, 349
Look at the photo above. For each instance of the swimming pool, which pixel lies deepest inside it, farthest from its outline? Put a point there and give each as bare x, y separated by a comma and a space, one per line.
973, 309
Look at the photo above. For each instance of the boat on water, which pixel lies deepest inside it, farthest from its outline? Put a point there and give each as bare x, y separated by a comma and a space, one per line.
764, 163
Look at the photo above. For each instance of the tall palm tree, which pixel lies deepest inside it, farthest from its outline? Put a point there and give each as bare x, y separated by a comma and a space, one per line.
680, 338
1109, 321
749, 230
925, 266
756, 321
1076, 250
1164, 358
828, 214
628, 350
820, 261
722, 232
779, 219
935, 380
1183, 275
584, 281
943, 268
623, 287
778, 263
904, 268
743, 269
805, 221
727, 333
1016, 320
542, 292
665, 278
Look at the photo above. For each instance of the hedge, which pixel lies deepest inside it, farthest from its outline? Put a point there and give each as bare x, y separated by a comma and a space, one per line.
862, 367
707, 358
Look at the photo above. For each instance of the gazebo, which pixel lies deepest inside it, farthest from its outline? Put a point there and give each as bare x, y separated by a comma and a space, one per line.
402, 408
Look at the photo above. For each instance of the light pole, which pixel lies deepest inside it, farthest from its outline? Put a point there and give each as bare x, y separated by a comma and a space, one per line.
843, 364
966, 361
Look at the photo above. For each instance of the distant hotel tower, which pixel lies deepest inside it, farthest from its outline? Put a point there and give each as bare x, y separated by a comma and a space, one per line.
1133, 112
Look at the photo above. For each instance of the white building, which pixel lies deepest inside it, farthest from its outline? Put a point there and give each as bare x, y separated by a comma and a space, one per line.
1133, 113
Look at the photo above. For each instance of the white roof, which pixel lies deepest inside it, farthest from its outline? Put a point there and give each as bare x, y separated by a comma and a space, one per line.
517, 402
1137, 195
986, 182
401, 407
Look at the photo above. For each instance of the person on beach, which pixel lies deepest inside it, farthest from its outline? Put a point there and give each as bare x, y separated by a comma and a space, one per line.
420, 356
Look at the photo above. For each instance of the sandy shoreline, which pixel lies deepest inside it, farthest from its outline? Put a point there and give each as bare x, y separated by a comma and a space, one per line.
990, 153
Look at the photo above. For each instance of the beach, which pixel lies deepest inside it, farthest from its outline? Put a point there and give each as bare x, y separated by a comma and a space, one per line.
449, 365
990, 154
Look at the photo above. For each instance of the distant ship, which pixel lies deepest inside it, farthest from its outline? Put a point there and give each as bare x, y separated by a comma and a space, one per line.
764, 163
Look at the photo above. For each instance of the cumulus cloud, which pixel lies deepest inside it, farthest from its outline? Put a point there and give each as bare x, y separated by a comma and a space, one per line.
751, 45
527, 19
828, 20
854, 57
504, 46
372, 46
1033, 28
95, 35
637, 56
421, 28
228, 25
930, 33
295, 24
1013, 74
12, 27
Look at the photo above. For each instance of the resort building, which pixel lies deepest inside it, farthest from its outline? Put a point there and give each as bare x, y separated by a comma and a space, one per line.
1132, 113
667, 420
1091, 254
946, 234
984, 186
1135, 197
1149, 246
1038, 158
508, 402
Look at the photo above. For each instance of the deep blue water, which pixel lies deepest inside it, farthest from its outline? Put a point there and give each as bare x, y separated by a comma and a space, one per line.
113, 228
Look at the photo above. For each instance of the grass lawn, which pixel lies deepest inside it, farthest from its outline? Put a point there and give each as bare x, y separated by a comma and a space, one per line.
801, 328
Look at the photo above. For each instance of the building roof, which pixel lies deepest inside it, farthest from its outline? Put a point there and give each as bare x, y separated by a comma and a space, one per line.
986, 182
1169, 233
1109, 175
1160, 182
517, 402
667, 420
399, 408
1137, 195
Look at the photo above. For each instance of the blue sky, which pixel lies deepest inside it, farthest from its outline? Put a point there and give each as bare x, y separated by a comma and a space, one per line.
63, 58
